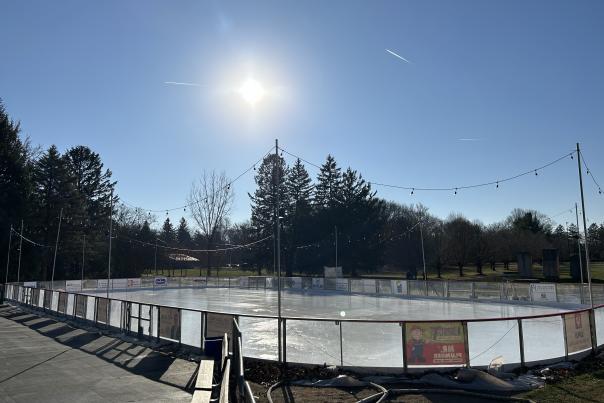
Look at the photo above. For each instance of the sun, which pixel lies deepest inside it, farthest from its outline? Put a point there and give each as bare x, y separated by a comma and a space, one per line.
252, 91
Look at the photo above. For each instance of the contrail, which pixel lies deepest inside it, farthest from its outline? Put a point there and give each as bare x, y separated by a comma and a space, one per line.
468, 139
186, 84
397, 55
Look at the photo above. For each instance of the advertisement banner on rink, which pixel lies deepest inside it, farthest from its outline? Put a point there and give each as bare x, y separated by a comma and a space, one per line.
294, 282
102, 310
119, 283
317, 283
544, 292
369, 286
160, 281
73, 285
578, 335
32, 284
243, 282
169, 323
102, 283
435, 343
342, 284
133, 283
399, 287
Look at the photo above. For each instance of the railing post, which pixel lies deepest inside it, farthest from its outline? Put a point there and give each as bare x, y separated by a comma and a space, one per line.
466, 344
284, 344
521, 343
565, 337
592, 330
404, 344
204, 327
339, 323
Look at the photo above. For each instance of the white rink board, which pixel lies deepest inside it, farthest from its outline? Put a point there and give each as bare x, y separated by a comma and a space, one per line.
376, 344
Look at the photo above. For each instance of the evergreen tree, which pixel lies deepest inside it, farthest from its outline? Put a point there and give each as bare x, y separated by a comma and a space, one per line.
183, 236
91, 182
54, 191
15, 178
359, 222
168, 235
271, 170
329, 184
299, 189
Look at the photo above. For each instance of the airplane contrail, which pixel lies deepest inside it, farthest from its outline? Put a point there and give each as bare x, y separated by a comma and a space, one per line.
179, 83
397, 55
468, 139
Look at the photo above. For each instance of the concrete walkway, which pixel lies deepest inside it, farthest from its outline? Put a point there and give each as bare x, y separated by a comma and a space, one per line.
42, 360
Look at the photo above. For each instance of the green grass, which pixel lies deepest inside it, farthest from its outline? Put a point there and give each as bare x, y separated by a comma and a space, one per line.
448, 273
584, 383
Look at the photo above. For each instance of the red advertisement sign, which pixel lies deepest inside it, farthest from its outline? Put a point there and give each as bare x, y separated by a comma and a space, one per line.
438, 343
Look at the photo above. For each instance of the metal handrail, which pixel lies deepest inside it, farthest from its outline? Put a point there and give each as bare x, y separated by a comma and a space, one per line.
23, 295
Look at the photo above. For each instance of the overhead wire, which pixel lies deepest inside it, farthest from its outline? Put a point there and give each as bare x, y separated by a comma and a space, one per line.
235, 247
590, 173
29, 240
184, 206
452, 188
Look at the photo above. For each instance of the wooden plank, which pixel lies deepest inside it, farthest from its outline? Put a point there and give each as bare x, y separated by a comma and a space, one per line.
224, 386
201, 396
204, 375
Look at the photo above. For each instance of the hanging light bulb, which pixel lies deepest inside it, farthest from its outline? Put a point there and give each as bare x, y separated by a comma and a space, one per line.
455, 190
412, 190
497, 184
185, 209
254, 167
588, 172
571, 157
166, 212
536, 174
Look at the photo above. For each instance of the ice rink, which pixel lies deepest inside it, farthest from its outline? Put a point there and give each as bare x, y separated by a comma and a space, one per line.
363, 344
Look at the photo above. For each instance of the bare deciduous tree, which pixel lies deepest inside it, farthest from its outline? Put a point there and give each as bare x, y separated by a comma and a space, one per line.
210, 200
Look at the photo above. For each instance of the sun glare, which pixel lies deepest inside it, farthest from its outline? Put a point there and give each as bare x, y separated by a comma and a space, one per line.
251, 91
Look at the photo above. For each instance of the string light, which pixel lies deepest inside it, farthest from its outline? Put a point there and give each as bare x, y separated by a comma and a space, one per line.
195, 250
412, 190
227, 186
452, 188
593, 178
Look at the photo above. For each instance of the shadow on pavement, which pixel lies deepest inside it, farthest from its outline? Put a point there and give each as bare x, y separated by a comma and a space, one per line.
136, 359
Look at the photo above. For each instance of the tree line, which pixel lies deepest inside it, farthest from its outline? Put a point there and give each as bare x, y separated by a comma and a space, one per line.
335, 218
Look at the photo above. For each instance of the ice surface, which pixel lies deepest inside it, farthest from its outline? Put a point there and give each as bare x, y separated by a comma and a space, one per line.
363, 344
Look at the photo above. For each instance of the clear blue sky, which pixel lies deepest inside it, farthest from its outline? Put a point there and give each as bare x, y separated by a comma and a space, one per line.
524, 79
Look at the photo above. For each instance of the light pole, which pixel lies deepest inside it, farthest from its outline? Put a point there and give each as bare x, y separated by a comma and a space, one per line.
10, 238
110, 238
20, 248
278, 251
54, 260
591, 299
336, 234
579, 248
83, 257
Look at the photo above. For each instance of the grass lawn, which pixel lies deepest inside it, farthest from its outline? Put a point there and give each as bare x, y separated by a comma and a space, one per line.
583, 384
448, 273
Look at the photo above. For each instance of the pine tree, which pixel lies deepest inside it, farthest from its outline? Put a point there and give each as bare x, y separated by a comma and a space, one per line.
15, 178
299, 189
329, 184
264, 203
54, 191
91, 182
168, 235
183, 236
